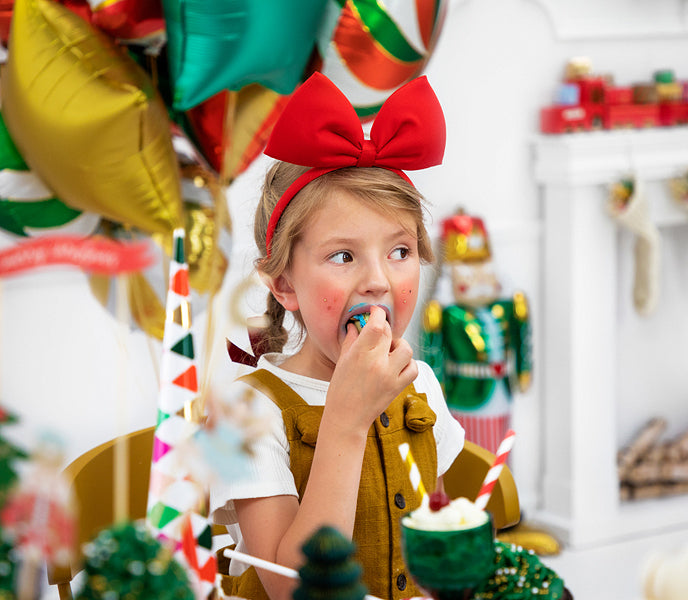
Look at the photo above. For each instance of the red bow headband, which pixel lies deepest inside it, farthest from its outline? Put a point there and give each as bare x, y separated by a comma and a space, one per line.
320, 129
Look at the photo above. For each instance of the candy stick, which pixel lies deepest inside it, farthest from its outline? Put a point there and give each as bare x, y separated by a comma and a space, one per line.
261, 563
414, 473
270, 566
494, 471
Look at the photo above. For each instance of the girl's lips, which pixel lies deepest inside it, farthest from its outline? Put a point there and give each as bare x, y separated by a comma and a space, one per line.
359, 313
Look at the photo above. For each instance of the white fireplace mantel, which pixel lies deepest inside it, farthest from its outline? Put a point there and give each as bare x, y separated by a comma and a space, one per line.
580, 496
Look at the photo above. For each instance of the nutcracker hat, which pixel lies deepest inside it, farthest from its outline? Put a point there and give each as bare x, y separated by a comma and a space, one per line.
465, 239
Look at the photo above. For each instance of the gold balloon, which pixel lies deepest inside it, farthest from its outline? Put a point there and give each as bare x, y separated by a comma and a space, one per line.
205, 215
205, 249
89, 120
146, 308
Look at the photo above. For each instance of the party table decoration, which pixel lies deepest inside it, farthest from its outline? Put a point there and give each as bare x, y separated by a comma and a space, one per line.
126, 561
177, 501
215, 45
88, 120
369, 48
330, 570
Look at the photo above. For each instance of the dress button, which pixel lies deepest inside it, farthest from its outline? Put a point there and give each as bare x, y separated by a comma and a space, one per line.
384, 419
401, 581
399, 500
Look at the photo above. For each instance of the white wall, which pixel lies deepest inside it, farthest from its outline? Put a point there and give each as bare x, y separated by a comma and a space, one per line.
496, 64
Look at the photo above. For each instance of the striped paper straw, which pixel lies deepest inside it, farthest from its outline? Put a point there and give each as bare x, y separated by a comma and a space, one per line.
261, 563
496, 468
414, 473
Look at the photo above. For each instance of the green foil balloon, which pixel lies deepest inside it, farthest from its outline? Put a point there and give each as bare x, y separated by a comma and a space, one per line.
215, 44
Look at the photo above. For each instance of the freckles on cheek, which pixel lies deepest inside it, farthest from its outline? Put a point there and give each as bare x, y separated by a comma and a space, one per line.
406, 299
332, 301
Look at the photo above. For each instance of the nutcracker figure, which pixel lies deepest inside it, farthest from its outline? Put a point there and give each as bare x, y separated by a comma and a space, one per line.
478, 343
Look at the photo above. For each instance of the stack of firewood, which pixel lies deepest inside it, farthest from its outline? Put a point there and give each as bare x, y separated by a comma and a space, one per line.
650, 466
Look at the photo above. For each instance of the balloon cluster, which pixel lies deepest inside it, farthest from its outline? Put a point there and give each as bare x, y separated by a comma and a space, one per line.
110, 104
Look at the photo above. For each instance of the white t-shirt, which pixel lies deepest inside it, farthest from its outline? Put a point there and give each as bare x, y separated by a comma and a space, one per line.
268, 472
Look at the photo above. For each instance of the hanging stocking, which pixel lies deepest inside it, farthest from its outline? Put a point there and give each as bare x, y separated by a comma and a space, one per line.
628, 206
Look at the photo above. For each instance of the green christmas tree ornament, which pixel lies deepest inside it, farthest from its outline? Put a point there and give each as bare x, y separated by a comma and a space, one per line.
330, 571
126, 561
9, 455
9, 568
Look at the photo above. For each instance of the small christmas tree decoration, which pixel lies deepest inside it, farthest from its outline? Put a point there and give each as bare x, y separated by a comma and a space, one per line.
9, 567
330, 573
126, 561
628, 206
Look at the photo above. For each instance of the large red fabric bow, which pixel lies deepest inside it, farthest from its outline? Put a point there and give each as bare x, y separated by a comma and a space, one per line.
319, 128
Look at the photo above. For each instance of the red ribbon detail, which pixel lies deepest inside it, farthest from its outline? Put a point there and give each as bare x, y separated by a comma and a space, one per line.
319, 128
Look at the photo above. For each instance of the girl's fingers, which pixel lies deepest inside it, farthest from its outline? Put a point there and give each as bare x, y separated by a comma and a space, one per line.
376, 329
401, 356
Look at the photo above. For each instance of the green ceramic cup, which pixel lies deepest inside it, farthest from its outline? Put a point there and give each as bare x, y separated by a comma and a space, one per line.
449, 564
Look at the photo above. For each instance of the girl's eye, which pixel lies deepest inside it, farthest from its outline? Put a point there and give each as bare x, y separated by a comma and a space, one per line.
341, 257
400, 253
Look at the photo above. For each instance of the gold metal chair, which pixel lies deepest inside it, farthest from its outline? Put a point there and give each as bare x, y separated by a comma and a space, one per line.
465, 478
92, 480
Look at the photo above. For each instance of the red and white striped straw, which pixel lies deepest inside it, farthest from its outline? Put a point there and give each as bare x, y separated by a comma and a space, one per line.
496, 468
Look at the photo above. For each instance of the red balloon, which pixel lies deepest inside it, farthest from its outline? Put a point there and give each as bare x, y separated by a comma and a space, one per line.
6, 7
130, 20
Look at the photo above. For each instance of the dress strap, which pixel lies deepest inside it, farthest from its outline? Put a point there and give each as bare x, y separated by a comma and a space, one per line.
274, 388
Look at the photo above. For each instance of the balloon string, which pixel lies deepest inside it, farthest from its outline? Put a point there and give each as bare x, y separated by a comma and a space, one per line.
140, 309
153, 68
208, 352
228, 133
121, 450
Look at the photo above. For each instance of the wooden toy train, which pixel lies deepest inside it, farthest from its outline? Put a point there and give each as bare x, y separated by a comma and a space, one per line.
587, 102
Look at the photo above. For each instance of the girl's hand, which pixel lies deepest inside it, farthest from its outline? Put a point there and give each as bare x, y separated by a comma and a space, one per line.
373, 368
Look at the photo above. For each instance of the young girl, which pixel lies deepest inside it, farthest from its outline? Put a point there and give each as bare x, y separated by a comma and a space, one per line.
341, 240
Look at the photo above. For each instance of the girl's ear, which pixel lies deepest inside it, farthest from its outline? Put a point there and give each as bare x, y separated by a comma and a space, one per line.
282, 290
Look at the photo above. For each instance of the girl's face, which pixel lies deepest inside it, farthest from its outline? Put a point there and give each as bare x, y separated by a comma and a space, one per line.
350, 257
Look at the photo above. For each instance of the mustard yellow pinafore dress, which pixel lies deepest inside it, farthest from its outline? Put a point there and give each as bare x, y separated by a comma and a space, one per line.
385, 493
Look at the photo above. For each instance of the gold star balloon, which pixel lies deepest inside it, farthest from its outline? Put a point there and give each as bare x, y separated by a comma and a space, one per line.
89, 120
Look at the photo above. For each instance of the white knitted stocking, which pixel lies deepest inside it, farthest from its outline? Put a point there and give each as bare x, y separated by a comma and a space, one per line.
635, 216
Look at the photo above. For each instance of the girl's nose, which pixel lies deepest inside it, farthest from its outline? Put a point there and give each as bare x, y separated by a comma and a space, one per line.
375, 280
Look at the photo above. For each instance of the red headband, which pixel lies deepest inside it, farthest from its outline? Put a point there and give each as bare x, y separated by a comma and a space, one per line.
319, 128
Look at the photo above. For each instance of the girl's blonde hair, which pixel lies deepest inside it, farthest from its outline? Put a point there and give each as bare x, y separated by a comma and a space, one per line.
379, 188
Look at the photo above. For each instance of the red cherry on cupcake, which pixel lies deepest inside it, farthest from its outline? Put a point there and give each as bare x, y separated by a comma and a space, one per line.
438, 500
